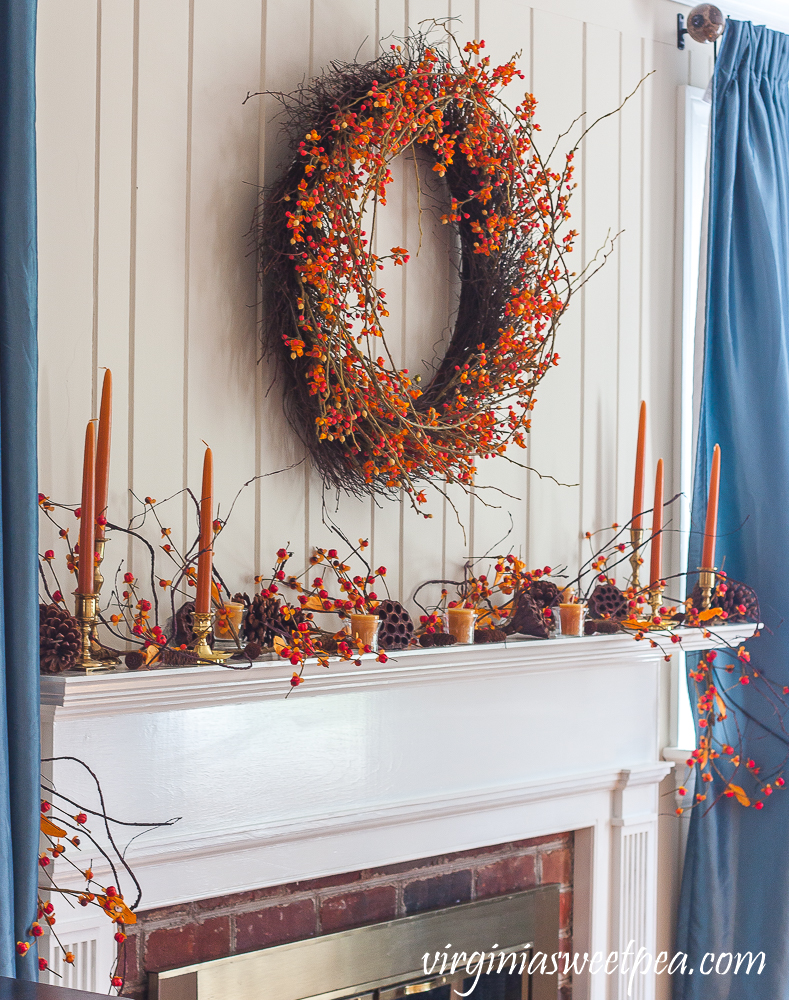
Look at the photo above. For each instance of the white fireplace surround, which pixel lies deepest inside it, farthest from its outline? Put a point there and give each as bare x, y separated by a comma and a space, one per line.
433, 752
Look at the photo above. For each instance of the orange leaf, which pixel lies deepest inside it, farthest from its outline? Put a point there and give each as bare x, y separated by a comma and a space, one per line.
313, 603
721, 706
278, 644
117, 910
49, 828
740, 795
708, 614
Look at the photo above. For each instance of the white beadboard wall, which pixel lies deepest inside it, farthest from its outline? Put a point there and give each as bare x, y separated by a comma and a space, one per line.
149, 166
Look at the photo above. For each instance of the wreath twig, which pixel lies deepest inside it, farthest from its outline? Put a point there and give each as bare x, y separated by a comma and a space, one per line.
369, 427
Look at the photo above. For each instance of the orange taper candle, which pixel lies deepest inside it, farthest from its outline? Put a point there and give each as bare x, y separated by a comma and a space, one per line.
87, 514
638, 488
103, 453
711, 525
206, 557
656, 563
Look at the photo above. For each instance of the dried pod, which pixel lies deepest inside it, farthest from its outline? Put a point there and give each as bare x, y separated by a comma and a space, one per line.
134, 659
603, 626
544, 593
184, 626
736, 595
527, 618
397, 629
608, 600
252, 651
178, 657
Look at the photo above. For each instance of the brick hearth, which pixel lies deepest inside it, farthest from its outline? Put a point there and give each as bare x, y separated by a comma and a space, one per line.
180, 935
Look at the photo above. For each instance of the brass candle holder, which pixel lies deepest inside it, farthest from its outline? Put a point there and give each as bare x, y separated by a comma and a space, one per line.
636, 538
86, 613
656, 598
202, 625
707, 586
100, 652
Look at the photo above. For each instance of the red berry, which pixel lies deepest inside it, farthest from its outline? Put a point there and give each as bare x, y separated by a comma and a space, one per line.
117, 982
111, 891
42, 964
81, 818
45, 806
120, 937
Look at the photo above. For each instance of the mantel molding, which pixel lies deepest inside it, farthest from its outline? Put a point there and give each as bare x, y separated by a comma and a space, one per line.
76, 696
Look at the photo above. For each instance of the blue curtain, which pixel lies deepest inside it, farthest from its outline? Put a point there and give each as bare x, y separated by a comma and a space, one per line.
735, 890
20, 757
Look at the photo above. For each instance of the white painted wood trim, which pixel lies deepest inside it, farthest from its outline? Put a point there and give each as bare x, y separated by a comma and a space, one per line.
79, 696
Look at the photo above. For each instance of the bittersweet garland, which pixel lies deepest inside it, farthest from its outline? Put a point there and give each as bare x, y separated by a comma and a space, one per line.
370, 427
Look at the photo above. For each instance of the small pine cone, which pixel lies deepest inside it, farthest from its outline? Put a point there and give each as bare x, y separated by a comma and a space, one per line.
177, 657
737, 594
241, 599
603, 626
252, 651
428, 639
134, 659
396, 630
544, 593
527, 618
490, 635
264, 616
59, 638
608, 600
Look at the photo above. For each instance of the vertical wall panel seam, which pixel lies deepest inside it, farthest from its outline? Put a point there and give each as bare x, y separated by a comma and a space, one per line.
133, 252
584, 167
96, 190
618, 408
187, 266
641, 210
259, 394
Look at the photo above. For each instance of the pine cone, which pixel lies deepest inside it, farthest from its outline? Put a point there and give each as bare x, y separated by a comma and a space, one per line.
59, 638
544, 593
603, 626
490, 635
428, 639
264, 616
608, 600
527, 618
736, 594
396, 629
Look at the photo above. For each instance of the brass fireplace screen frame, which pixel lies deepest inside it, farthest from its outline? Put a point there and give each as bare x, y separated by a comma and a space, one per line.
382, 961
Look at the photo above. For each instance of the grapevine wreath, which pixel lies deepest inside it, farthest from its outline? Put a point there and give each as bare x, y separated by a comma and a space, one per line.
369, 427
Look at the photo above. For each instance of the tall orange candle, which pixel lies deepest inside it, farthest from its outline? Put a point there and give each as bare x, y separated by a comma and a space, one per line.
206, 557
638, 487
103, 453
87, 514
711, 525
656, 563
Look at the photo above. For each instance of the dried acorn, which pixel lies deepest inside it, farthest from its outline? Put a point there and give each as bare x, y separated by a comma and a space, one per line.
397, 628
59, 638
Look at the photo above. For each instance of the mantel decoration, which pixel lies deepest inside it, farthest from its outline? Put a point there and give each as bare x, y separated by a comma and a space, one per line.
369, 427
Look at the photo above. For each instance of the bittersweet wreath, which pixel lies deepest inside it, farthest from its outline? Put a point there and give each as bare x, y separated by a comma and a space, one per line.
369, 427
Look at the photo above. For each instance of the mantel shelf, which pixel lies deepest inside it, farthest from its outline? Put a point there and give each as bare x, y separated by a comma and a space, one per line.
123, 691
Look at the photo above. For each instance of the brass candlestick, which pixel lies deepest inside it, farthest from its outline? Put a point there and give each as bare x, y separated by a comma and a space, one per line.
636, 538
98, 650
85, 613
655, 598
202, 623
707, 585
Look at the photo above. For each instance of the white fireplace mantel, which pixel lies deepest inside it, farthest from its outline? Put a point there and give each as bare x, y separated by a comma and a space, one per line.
433, 752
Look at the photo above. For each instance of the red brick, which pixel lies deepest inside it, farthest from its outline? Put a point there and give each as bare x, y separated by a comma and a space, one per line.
557, 866
326, 882
275, 925
438, 891
507, 875
566, 910
352, 909
128, 962
164, 913
169, 947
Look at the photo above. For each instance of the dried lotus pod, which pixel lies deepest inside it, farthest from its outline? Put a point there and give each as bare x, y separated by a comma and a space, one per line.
608, 600
397, 629
544, 593
526, 619
59, 639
